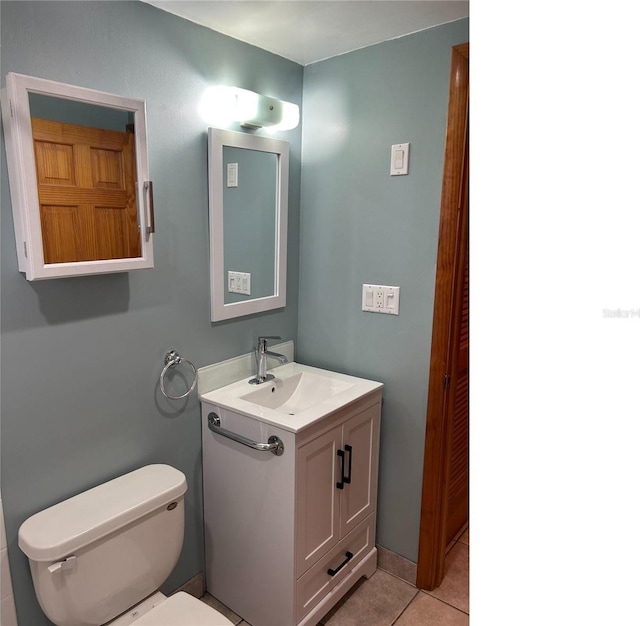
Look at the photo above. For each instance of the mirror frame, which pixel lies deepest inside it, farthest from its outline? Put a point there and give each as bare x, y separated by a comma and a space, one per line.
218, 139
16, 117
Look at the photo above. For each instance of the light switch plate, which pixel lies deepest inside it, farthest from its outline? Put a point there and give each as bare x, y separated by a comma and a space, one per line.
381, 299
400, 159
232, 174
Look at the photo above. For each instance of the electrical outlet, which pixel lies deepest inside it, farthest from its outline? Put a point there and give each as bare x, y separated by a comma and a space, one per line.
381, 299
239, 282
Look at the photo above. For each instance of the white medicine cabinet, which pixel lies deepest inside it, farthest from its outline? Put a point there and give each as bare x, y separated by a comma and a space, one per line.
78, 171
248, 204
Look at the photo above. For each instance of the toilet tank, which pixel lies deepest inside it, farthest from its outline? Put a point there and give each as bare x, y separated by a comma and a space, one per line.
100, 552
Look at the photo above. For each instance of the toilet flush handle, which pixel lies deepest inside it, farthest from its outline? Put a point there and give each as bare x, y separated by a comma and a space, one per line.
64, 565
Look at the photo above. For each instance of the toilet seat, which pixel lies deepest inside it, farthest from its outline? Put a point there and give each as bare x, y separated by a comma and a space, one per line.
182, 609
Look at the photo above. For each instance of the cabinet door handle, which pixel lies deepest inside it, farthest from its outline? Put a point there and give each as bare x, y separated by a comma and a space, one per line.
148, 185
349, 449
333, 572
340, 483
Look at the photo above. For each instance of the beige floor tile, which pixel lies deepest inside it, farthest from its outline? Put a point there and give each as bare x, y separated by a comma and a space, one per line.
425, 609
454, 588
207, 598
375, 602
462, 535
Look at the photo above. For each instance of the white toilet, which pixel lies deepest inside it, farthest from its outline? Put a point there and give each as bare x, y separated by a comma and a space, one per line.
98, 558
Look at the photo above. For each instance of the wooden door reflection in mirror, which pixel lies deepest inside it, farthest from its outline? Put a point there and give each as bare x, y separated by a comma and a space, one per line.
86, 189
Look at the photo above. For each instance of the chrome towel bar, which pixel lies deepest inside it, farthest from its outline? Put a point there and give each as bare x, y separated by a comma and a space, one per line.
274, 444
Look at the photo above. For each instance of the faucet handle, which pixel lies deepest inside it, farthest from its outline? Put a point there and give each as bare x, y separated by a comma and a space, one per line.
264, 338
262, 341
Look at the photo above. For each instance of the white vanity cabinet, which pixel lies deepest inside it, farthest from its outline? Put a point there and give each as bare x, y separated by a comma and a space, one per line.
287, 536
336, 489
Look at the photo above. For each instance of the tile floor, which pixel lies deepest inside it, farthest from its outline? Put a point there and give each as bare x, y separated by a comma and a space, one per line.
384, 599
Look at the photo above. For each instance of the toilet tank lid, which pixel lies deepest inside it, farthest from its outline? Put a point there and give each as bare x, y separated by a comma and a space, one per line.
72, 524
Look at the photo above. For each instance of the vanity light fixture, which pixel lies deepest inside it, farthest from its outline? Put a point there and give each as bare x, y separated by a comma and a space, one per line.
221, 105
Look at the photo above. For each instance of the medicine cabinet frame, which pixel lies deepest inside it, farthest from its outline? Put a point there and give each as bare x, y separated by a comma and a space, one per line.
217, 140
21, 165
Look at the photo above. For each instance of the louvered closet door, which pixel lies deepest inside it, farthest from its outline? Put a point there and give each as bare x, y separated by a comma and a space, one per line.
458, 493
458, 505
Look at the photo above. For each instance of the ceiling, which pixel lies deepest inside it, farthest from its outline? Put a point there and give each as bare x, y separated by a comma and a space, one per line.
306, 31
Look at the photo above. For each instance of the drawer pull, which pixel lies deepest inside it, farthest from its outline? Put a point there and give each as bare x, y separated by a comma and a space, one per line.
333, 572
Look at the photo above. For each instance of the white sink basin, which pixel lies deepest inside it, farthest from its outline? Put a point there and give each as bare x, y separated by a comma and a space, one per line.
298, 395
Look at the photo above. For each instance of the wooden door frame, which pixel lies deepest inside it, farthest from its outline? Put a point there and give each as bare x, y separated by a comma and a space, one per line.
432, 548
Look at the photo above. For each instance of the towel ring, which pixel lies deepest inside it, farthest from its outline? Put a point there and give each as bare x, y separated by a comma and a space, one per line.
171, 359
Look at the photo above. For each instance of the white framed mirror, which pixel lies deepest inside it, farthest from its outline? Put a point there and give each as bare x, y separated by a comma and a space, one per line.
78, 171
248, 205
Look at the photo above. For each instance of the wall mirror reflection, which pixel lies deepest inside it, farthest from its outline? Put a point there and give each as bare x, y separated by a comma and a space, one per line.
77, 161
248, 201
250, 219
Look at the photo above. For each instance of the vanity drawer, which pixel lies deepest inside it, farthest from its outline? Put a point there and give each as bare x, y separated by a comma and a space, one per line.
317, 582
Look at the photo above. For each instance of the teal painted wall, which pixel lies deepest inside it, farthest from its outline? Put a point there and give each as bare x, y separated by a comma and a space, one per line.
360, 225
81, 357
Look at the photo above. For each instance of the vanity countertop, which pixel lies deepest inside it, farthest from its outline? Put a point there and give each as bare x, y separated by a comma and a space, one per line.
297, 397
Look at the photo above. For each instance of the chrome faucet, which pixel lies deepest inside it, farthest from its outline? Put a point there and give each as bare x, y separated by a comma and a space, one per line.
262, 353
